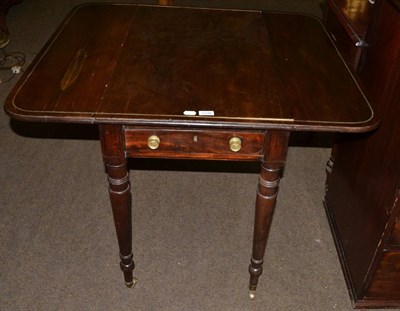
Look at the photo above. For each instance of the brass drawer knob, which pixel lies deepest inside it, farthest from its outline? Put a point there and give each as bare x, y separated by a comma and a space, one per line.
235, 144
153, 142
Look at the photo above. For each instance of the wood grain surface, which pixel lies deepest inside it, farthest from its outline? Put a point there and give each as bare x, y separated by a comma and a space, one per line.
136, 64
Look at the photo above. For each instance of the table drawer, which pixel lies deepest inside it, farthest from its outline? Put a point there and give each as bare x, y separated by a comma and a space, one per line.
194, 144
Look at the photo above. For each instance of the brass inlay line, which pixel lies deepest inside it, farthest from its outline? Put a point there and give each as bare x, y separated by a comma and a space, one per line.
268, 184
268, 197
118, 181
94, 115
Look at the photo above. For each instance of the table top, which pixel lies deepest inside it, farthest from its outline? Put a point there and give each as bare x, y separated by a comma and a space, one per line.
168, 66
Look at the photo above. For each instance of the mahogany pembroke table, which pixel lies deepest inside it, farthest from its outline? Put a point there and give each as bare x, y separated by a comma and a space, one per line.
191, 83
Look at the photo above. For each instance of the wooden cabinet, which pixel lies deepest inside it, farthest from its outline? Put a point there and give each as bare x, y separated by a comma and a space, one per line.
347, 23
363, 189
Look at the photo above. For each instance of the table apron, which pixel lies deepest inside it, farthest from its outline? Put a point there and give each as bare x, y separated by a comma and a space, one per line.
207, 144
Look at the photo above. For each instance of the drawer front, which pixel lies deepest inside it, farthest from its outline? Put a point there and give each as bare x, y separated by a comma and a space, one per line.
194, 144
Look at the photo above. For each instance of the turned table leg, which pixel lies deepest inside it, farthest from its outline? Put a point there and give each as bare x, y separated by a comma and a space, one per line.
120, 196
276, 145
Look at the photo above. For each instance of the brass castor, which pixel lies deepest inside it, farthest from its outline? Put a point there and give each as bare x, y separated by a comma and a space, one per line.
131, 284
252, 294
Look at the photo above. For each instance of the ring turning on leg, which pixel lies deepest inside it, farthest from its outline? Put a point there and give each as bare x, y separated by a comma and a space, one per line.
119, 190
265, 205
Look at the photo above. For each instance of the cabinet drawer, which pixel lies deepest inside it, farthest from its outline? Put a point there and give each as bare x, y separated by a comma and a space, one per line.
194, 144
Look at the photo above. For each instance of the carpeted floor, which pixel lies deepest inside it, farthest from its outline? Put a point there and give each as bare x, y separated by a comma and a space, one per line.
192, 220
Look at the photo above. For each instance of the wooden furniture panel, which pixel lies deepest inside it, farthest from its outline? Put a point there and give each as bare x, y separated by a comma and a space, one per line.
362, 196
254, 77
347, 23
394, 243
384, 290
351, 52
194, 144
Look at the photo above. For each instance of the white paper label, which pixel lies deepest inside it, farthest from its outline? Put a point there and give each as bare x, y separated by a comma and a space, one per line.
189, 113
206, 112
